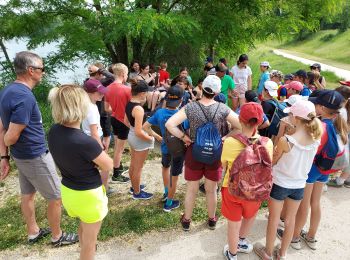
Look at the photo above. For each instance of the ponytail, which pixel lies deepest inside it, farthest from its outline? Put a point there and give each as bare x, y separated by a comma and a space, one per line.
313, 126
342, 128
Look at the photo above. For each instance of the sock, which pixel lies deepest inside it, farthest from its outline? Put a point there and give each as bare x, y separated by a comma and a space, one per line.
166, 190
340, 181
168, 202
33, 236
230, 254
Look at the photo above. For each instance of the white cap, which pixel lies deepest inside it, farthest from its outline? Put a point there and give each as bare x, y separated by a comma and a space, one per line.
265, 64
213, 83
294, 98
271, 87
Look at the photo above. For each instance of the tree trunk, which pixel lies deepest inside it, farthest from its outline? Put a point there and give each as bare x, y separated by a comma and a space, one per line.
137, 49
4, 50
122, 50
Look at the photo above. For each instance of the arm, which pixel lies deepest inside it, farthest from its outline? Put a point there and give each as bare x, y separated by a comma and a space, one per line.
265, 124
13, 133
138, 114
281, 131
176, 120
4, 164
232, 118
94, 134
107, 107
323, 83
281, 147
249, 82
147, 127
104, 162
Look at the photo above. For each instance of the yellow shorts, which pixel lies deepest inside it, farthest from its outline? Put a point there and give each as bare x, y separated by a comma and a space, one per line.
90, 206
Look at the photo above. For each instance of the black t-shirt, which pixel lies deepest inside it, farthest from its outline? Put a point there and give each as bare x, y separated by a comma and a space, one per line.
73, 152
268, 108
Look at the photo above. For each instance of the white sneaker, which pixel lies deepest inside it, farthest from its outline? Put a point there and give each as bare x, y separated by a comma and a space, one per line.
227, 254
244, 246
310, 242
296, 244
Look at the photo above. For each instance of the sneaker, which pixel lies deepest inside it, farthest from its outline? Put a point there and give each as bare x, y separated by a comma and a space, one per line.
244, 246
123, 169
310, 241
277, 256
120, 179
333, 183
110, 191
174, 205
43, 232
142, 187
260, 250
142, 196
347, 183
296, 243
185, 223
212, 223
228, 255
164, 197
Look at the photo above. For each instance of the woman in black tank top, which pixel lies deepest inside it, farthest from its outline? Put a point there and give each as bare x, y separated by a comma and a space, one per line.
149, 78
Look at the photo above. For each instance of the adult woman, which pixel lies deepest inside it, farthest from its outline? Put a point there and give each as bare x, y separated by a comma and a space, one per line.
77, 155
134, 69
153, 95
242, 76
196, 113
140, 142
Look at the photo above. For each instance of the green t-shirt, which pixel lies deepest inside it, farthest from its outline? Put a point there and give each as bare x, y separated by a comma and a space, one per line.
227, 84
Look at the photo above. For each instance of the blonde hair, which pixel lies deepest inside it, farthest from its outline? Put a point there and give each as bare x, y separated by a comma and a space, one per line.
342, 128
312, 126
69, 104
119, 69
163, 64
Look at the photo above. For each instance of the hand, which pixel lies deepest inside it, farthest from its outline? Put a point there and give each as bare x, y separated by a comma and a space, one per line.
4, 169
186, 139
93, 69
159, 139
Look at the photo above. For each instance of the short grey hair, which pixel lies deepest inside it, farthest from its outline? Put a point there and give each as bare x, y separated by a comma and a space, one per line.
25, 59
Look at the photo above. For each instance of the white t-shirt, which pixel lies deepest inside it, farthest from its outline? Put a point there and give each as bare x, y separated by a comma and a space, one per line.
92, 118
240, 76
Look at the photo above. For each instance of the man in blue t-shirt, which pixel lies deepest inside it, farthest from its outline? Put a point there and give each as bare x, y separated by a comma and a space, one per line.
22, 131
173, 100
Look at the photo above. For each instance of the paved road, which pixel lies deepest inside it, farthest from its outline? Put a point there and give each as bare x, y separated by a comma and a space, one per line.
342, 73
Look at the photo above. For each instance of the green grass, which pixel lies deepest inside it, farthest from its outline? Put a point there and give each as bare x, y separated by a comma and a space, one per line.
262, 53
327, 46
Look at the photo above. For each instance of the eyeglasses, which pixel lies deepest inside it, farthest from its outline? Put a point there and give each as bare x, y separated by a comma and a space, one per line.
38, 68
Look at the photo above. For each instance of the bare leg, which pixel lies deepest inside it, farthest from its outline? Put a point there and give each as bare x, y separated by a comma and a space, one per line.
54, 218
155, 98
118, 151
275, 208
246, 226
315, 217
190, 199
166, 177
136, 163
235, 103
89, 235
28, 211
233, 235
283, 213
241, 101
211, 197
80, 234
303, 211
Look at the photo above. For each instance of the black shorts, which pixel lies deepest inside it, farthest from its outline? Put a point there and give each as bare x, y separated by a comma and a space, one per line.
105, 122
119, 129
175, 163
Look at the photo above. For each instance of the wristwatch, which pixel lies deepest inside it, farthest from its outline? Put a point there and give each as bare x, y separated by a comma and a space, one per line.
7, 157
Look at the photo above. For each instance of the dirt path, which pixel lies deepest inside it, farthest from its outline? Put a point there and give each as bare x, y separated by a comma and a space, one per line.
201, 243
340, 72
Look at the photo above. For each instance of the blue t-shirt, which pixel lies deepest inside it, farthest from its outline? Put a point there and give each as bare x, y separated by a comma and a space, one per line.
185, 99
18, 105
160, 118
264, 77
305, 92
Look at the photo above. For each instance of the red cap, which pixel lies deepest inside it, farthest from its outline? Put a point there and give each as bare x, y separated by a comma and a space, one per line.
250, 111
294, 85
345, 83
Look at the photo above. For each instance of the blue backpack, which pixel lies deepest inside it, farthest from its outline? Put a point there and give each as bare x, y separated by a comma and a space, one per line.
207, 147
278, 114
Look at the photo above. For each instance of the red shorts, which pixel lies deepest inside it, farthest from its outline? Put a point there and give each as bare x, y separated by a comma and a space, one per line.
234, 208
194, 170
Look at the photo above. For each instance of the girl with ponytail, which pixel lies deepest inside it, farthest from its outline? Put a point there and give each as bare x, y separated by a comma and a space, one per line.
292, 161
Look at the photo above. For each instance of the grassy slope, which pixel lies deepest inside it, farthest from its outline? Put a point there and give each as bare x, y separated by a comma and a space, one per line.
263, 52
326, 46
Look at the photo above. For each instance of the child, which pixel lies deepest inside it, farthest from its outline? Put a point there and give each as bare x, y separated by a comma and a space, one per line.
240, 213
292, 160
265, 75
163, 74
294, 88
301, 76
197, 91
251, 96
169, 163
91, 124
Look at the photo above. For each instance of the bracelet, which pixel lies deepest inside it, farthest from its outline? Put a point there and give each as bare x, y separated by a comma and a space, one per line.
7, 157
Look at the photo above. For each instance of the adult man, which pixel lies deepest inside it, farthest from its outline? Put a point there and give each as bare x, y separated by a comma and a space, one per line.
21, 129
116, 98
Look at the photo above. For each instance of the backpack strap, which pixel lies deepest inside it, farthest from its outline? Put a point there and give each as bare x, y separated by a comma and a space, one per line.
242, 138
217, 108
202, 111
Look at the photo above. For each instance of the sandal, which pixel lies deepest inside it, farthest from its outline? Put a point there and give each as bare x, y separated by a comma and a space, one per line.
43, 232
260, 250
66, 239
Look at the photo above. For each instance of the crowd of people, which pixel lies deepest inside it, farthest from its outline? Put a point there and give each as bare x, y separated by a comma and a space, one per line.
279, 143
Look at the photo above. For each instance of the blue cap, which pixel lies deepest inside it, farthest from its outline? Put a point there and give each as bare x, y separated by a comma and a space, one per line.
220, 98
328, 98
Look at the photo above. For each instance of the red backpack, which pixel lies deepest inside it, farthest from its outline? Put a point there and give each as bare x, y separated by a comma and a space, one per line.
251, 172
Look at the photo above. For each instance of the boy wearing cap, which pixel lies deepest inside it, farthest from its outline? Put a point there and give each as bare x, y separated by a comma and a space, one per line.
170, 164
233, 208
91, 124
265, 75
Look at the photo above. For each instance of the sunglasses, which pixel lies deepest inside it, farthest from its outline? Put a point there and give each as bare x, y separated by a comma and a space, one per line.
38, 68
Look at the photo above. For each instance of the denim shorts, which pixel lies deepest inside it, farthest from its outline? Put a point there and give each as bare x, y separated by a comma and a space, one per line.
280, 193
315, 176
176, 164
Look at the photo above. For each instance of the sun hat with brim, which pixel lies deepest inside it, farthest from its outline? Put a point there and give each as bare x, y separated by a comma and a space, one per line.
301, 108
251, 110
265, 64
328, 98
271, 87
174, 96
345, 83
212, 84
94, 85
294, 98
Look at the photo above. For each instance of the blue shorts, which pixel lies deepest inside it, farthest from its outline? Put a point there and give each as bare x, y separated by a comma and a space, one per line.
315, 176
176, 164
280, 193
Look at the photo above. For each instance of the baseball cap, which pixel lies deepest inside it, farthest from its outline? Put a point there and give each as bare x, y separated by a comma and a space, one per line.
271, 87
212, 84
301, 108
294, 98
328, 98
265, 64
94, 85
301, 73
296, 85
174, 96
251, 96
345, 83
220, 98
251, 110
288, 77
315, 65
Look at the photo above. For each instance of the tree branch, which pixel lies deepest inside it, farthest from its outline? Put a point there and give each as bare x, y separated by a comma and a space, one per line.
172, 6
4, 50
